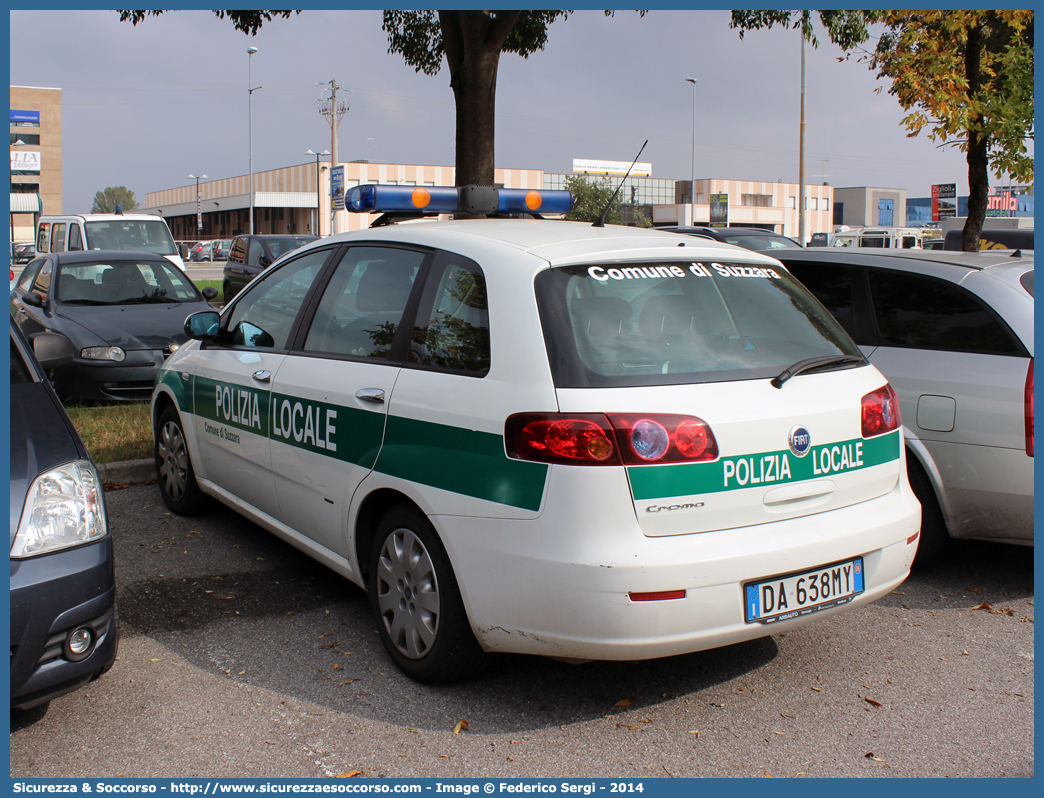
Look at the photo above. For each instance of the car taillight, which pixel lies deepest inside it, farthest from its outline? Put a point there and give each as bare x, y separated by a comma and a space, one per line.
1029, 409
880, 412
613, 439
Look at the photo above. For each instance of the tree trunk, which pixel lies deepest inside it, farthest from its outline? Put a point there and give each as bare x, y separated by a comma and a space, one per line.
473, 41
978, 150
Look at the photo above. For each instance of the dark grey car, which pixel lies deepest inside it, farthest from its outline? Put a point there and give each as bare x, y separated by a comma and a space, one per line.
124, 313
252, 254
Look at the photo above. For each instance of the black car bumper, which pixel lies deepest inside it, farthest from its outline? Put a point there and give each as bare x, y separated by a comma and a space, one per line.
108, 381
52, 596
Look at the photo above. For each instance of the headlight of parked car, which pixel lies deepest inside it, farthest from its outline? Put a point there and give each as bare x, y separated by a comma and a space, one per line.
103, 353
64, 508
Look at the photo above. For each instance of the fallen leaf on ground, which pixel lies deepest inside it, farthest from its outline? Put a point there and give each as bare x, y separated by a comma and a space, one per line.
349, 774
461, 725
695, 732
624, 702
817, 689
872, 702
983, 606
627, 726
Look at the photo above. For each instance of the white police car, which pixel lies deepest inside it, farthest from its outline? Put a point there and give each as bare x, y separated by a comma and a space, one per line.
545, 437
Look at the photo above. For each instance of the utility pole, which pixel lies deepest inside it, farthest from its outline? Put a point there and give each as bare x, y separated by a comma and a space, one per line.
333, 109
802, 219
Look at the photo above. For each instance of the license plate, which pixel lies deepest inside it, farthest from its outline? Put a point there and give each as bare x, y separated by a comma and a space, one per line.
794, 595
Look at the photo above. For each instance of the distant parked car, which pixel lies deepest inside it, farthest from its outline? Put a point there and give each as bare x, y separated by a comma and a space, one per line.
200, 252
252, 254
753, 238
124, 313
23, 253
953, 333
221, 249
63, 595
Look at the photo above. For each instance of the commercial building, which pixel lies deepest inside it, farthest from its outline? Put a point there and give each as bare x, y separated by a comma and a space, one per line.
1003, 201
866, 206
286, 200
36, 158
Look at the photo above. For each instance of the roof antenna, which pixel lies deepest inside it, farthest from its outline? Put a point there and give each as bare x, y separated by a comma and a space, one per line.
601, 219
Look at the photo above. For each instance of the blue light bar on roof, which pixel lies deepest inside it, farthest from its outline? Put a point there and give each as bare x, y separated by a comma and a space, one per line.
522, 200
446, 199
382, 199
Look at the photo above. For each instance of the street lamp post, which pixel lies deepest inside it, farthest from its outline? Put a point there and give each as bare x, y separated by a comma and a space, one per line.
199, 203
692, 203
250, 130
318, 211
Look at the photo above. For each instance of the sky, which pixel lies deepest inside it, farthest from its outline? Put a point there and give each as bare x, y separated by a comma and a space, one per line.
144, 106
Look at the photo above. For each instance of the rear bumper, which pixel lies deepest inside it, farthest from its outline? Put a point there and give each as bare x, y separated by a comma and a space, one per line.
51, 596
554, 594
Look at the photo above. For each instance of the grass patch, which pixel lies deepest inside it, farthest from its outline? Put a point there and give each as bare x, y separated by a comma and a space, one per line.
220, 299
113, 433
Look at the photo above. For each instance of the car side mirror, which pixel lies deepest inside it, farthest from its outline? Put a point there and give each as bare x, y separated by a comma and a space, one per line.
264, 261
203, 326
209, 293
52, 350
35, 299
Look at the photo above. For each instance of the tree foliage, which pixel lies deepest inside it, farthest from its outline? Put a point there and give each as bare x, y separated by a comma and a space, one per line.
590, 199
964, 76
106, 201
470, 42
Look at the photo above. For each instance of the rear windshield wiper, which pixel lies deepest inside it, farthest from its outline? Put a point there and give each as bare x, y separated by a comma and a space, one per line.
815, 362
83, 302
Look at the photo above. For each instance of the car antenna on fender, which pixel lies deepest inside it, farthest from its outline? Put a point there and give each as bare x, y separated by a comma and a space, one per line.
601, 219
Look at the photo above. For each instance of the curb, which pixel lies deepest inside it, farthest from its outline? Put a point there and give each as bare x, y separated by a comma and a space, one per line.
127, 471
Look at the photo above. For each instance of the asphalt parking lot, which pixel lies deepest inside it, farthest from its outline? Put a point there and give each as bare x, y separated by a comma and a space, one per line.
241, 657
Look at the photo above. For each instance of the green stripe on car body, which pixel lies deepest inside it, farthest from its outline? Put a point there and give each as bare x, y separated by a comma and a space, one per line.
764, 468
460, 460
179, 386
454, 459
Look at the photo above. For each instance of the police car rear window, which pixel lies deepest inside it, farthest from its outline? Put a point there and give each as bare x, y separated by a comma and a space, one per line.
610, 325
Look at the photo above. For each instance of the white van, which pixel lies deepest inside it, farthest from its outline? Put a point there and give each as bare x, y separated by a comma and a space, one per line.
138, 231
880, 237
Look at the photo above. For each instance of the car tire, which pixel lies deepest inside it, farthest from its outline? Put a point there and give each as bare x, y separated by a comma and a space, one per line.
417, 602
174, 473
226, 291
934, 535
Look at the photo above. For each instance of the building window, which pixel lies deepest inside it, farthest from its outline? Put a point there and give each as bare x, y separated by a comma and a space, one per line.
25, 138
826, 203
25, 188
756, 200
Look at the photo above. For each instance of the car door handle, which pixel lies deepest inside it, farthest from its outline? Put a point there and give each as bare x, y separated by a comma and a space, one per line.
370, 395
262, 376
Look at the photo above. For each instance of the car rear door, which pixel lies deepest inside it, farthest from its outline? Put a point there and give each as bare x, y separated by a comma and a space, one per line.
330, 396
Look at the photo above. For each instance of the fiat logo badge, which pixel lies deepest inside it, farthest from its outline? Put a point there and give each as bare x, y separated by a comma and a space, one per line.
800, 441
